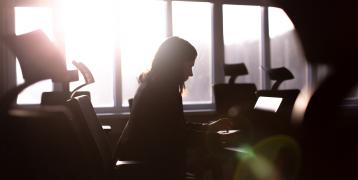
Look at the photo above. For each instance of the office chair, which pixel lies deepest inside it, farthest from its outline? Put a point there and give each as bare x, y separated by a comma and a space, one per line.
273, 142
92, 136
42, 144
271, 114
50, 143
232, 99
60, 97
95, 141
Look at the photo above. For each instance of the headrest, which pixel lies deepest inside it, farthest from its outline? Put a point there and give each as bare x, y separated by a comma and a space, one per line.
38, 57
235, 70
279, 75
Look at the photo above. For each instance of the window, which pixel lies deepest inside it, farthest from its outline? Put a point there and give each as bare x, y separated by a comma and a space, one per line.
117, 41
88, 33
285, 48
142, 28
192, 21
242, 39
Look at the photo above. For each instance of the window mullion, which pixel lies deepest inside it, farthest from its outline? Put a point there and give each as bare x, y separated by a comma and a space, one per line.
218, 44
7, 59
265, 50
118, 87
169, 19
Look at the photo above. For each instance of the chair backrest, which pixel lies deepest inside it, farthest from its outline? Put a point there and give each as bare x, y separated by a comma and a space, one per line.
92, 135
229, 97
272, 113
59, 97
42, 144
273, 108
234, 99
279, 75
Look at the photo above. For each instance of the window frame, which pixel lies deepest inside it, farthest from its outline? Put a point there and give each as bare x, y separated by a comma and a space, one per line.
217, 50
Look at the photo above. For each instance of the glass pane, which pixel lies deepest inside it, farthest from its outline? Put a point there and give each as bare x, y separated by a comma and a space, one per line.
286, 49
142, 28
192, 21
89, 38
242, 34
28, 19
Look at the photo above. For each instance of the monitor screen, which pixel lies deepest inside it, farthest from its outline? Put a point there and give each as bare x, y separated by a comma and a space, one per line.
268, 103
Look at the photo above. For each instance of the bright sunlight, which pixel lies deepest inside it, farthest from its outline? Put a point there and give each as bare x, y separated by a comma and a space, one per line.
117, 40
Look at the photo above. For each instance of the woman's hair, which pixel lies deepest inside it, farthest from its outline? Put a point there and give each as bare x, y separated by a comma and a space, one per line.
168, 62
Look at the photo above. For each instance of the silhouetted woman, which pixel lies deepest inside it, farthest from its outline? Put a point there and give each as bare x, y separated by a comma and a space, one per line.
155, 133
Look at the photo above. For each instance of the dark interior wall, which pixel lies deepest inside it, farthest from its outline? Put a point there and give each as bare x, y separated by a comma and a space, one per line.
7, 60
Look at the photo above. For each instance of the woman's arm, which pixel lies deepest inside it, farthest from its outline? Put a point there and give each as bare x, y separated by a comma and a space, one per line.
213, 126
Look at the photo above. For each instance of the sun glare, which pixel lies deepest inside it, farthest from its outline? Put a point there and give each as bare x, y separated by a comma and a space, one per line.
30, 19
88, 32
94, 32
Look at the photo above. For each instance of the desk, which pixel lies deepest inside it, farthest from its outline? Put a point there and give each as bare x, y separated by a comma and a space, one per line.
214, 153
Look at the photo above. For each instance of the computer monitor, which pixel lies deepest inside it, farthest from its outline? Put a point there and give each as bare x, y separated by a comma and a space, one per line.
268, 103
272, 113
276, 101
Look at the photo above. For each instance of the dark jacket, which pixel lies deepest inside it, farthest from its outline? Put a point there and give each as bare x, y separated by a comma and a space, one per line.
155, 133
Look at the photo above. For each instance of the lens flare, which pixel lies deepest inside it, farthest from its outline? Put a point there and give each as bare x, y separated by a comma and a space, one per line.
277, 157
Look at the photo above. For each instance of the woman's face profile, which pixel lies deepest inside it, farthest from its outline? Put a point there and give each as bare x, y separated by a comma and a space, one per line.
187, 69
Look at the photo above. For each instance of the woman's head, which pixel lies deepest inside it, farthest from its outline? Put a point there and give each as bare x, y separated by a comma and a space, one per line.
174, 60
